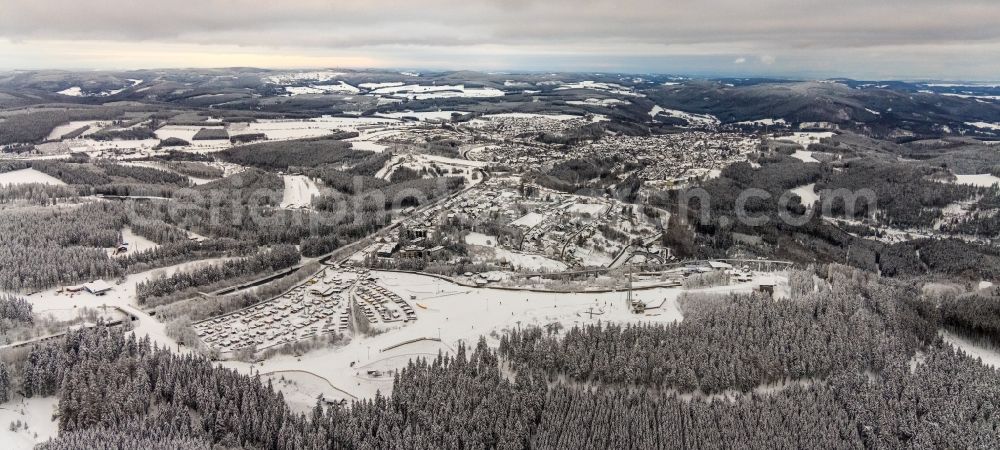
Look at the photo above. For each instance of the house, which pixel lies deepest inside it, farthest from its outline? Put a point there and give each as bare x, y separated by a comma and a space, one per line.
718, 265
97, 287
387, 249
412, 251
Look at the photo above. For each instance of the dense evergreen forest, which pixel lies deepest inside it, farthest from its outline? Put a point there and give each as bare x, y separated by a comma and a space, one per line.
14, 309
4, 383
281, 155
68, 248
36, 126
125, 134
159, 291
975, 313
849, 361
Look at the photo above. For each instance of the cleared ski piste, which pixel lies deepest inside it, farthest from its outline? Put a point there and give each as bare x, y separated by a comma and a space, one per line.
299, 191
457, 314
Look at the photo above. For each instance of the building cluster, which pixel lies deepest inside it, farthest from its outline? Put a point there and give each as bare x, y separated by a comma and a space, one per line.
376, 302
514, 126
540, 221
310, 309
675, 158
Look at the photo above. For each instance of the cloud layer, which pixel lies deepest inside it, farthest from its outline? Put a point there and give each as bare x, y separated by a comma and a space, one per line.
918, 38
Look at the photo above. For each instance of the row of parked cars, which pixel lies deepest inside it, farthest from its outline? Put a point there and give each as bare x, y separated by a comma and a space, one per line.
378, 302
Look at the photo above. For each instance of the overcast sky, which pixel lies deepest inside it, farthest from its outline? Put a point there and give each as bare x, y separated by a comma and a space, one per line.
911, 39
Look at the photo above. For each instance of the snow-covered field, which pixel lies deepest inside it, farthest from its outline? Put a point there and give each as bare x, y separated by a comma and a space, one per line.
368, 146
528, 116
26, 176
804, 156
299, 191
981, 180
452, 161
986, 125
599, 86
300, 389
702, 120
457, 314
135, 242
294, 77
73, 91
481, 239
61, 130
590, 257
320, 126
518, 260
804, 138
185, 132
36, 413
280, 129
594, 209
529, 262
423, 115
93, 147
807, 193
339, 88
387, 84
422, 92
597, 102
529, 220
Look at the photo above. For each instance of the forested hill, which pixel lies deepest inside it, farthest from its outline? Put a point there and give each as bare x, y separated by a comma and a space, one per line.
849, 361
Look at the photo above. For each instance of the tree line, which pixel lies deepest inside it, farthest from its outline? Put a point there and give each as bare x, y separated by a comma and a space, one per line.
280, 155
158, 290
15, 309
35, 126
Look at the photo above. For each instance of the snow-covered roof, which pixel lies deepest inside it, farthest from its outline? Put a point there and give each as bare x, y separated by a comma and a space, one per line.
97, 286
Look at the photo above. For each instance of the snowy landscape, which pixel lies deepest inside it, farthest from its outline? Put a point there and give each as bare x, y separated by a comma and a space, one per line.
396, 225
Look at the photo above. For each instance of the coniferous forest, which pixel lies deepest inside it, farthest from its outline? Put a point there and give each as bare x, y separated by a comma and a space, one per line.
849, 361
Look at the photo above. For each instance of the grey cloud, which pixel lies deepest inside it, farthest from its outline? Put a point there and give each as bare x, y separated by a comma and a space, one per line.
763, 29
